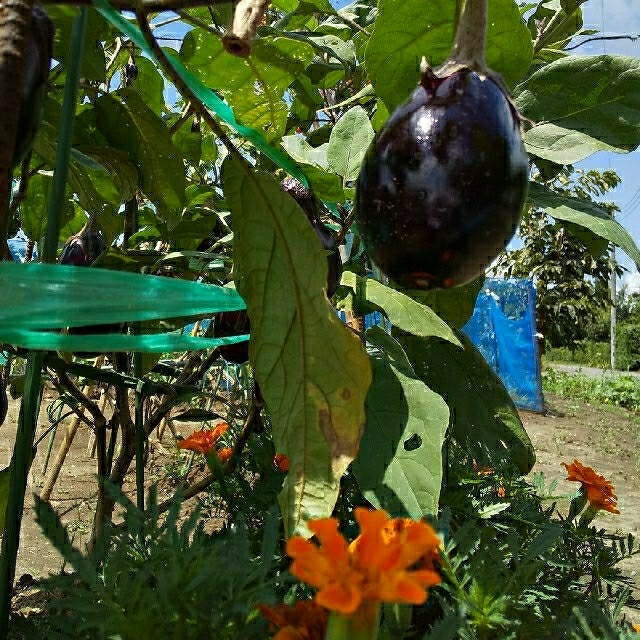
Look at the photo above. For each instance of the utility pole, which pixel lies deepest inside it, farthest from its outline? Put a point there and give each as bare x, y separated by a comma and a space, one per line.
612, 289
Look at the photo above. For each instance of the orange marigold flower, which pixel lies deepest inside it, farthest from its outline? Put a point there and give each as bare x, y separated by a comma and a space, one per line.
281, 462
600, 492
224, 454
306, 620
379, 566
636, 627
205, 440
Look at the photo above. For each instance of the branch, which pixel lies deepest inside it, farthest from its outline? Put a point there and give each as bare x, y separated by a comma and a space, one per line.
180, 85
597, 38
145, 5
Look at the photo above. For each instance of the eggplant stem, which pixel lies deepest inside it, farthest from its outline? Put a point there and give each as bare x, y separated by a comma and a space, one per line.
470, 40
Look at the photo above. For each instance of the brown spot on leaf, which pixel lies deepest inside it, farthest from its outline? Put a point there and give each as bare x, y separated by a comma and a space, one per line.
346, 394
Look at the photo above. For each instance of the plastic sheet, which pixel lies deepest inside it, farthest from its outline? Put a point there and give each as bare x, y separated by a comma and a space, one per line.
38, 299
503, 328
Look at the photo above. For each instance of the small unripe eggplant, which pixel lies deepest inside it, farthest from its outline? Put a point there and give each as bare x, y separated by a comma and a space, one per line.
312, 207
34, 84
4, 401
233, 323
441, 189
83, 248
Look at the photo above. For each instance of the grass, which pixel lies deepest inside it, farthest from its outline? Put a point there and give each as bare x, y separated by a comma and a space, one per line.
621, 391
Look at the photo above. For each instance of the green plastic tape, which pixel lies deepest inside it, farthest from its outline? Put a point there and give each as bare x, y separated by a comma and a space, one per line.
38, 299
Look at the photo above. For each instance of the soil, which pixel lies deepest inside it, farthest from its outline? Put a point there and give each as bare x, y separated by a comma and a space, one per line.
603, 437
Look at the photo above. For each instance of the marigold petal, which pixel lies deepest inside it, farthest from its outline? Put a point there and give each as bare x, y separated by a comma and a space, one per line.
339, 596
291, 633
331, 540
224, 454
219, 430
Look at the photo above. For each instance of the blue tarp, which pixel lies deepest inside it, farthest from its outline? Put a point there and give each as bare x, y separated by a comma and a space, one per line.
503, 328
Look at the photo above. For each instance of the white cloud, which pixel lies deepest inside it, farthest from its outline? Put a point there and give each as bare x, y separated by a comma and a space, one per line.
632, 282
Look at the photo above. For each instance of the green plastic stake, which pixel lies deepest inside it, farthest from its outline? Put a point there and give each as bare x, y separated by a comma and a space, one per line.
28, 419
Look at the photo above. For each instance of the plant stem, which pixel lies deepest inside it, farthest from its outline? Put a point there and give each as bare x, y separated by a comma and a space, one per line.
469, 42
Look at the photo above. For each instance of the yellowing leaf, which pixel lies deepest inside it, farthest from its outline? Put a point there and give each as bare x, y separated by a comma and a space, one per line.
313, 372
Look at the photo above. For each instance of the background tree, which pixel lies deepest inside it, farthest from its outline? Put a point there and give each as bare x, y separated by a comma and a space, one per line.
569, 264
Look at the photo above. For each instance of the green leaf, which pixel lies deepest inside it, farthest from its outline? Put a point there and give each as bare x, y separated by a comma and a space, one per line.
313, 372
455, 305
348, 143
253, 86
33, 209
189, 142
406, 31
563, 146
403, 312
129, 125
301, 151
93, 64
586, 214
482, 413
599, 96
399, 466
149, 85
327, 186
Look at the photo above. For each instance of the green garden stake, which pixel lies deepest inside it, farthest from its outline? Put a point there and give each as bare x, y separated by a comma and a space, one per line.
28, 418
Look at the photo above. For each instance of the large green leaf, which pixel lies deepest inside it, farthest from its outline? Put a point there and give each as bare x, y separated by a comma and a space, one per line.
399, 466
33, 209
596, 95
149, 84
455, 305
313, 372
403, 312
301, 151
406, 31
563, 146
98, 176
483, 415
253, 86
586, 214
130, 125
348, 143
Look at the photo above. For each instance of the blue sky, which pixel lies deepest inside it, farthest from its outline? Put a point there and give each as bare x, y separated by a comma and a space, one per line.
618, 17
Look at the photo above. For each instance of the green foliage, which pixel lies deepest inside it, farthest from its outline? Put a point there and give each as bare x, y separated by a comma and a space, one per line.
307, 101
399, 466
163, 577
619, 390
567, 259
516, 568
556, 93
316, 403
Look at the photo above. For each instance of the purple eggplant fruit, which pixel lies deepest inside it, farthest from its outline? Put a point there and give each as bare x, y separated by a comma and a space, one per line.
4, 401
442, 187
312, 207
82, 250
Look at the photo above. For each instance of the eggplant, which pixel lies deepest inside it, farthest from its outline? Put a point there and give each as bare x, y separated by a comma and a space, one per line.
312, 207
442, 186
82, 250
4, 401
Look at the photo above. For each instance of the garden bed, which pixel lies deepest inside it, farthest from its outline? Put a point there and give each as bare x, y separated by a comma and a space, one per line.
603, 437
